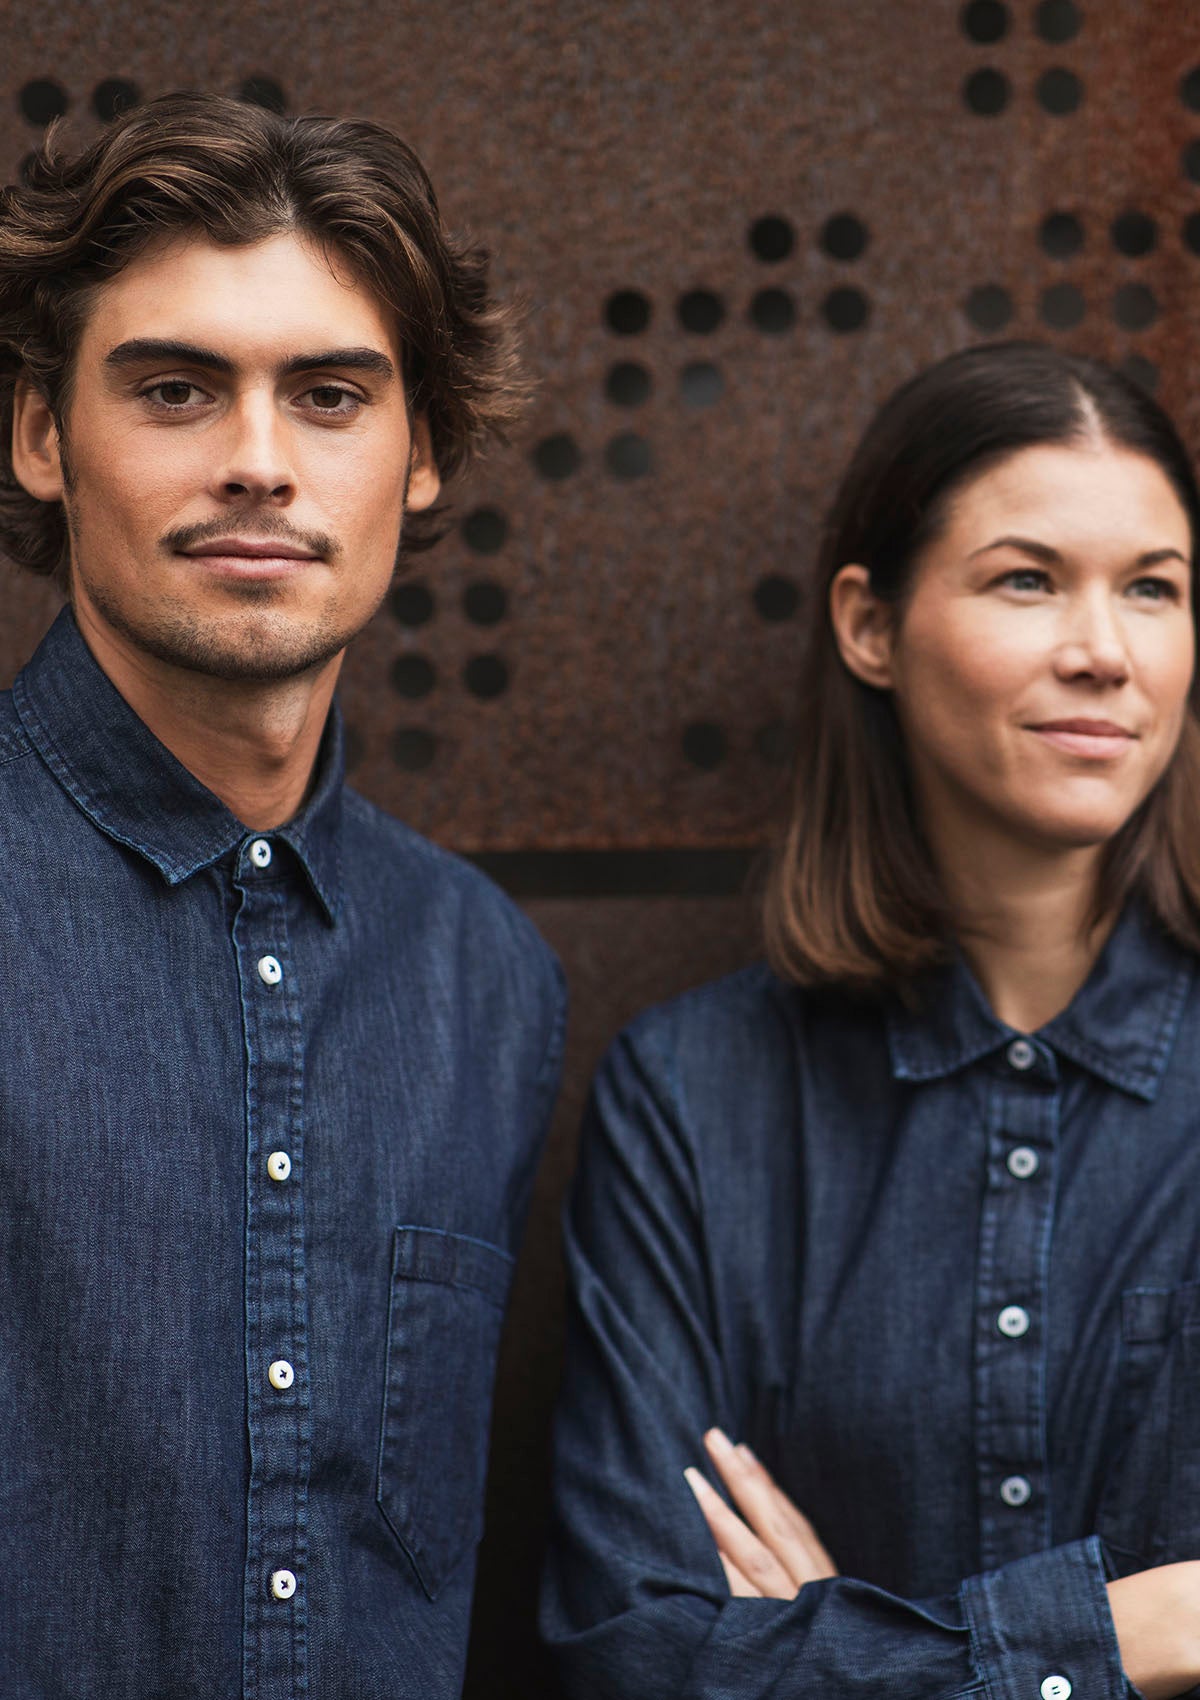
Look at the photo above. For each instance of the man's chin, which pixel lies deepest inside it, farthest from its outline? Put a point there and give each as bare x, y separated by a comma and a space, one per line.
252, 646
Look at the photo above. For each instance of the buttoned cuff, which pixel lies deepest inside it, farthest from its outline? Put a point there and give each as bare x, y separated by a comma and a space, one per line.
1041, 1628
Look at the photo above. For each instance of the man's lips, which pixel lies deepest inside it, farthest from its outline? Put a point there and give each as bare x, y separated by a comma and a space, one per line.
1099, 740
251, 549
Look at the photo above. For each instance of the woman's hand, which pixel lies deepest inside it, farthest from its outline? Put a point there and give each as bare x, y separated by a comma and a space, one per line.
775, 1551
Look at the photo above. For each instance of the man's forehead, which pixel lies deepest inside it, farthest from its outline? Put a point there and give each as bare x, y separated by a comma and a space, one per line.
271, 300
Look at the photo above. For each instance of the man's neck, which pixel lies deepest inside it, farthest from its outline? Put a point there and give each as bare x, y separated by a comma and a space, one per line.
253, 744
1026, 924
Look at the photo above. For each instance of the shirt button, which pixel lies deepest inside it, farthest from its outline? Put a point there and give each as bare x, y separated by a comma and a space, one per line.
1013, 1321
260, 853
269, 970
1023, 1162
281, 1374
279, 1165
283, 1584
1056, 1688
1021, 1054
1015, 1490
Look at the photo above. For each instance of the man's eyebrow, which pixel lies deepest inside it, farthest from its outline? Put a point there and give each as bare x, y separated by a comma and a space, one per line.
139, 350
1044, 552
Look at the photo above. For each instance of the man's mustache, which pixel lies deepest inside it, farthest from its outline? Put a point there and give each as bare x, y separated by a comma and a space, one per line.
263, 526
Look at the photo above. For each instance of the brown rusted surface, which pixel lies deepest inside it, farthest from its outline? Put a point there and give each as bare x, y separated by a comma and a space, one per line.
631, 146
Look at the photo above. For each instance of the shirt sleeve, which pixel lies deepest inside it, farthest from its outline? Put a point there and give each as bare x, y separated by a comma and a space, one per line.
635, 1601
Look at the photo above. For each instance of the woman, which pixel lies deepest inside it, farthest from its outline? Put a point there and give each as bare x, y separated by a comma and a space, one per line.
913, 1217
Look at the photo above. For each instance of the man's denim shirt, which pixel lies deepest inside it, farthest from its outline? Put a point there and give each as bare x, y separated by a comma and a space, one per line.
943, 1278
270, 1105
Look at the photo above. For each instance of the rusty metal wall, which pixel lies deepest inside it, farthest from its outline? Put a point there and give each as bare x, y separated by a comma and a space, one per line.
736, 227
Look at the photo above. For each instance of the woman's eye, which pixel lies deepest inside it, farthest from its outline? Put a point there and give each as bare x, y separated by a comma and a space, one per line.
1026, 578
1155, 590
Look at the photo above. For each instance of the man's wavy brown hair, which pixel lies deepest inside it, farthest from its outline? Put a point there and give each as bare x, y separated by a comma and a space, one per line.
236, 174
852, 895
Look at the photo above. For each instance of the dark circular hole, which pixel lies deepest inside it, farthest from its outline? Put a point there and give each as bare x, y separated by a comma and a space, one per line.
485, 530
42, 100
701, 384
704, 744
990, 307
1189, 88
1189, 159
628, 456
1059, 91
1191, 232
558, 456
1062, 306
114, 96
411, 604
846, 310
354, 746
984, 21
485, 603
486, 676
1057, 20
772, 743
627, 312
413, 676
987, 92
413, 749
1134, 234
844, 237
772, 238
776, 597
1140, 371
1135, 306
628, 384
700, 311
773, 311
264, 91
1060, 235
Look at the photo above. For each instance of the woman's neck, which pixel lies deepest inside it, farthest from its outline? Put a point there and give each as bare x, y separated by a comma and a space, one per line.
1026, 923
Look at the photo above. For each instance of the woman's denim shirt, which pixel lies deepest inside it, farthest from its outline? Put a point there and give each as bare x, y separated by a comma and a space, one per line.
942, 1277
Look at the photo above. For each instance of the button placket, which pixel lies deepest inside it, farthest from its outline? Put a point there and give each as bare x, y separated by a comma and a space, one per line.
1014, 1244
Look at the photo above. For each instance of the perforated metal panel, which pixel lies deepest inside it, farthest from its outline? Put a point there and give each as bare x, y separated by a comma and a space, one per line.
736, 227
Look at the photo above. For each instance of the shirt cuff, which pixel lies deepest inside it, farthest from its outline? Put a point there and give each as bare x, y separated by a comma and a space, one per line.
1041, 1628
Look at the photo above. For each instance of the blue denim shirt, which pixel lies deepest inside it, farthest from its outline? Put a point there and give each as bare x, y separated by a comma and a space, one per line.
942, 1277
270, 1105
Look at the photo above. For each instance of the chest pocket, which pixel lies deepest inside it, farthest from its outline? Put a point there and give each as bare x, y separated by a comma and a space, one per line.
1150, 1509
445, 1313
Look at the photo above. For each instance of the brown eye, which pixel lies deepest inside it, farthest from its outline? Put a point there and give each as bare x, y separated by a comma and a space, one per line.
329, 398
175, 393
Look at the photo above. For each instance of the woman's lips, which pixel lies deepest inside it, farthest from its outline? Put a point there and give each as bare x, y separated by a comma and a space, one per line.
1095, 740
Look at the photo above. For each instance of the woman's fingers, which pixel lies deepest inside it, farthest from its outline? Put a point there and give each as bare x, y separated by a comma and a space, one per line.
751, 1568
778, 1524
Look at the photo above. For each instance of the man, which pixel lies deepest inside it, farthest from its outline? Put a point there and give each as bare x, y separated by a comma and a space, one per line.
273, 1070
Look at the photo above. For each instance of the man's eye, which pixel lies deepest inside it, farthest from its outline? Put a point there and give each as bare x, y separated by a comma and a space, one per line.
172, 392
331, 398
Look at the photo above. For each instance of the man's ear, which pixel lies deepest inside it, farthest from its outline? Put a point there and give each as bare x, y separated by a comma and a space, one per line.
36, 451
424, 481
864, 627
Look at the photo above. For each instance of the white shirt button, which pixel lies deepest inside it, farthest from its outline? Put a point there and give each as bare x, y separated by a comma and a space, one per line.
1015, 1490
283, 1584
279, 1165
1021, 1054
269, 970
281, 1374
1023, 1162
260, 853
1056, 1688
1013, 1321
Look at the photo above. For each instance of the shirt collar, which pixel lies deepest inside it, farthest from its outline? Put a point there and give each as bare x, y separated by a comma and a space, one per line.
1120, 1025
135, 790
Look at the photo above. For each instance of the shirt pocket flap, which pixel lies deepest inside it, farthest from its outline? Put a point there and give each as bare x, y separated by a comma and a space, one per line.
445, 1312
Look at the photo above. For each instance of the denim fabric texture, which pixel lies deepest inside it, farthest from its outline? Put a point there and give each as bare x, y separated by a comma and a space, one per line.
942, 1278
270, 1106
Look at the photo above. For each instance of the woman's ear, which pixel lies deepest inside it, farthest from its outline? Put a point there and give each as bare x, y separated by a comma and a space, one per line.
863, 626
36, 451
424, 482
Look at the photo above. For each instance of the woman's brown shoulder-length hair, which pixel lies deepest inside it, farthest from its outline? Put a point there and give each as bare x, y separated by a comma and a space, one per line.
851, 895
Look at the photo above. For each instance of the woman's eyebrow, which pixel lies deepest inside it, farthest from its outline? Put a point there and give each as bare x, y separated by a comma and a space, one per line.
1051, 556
